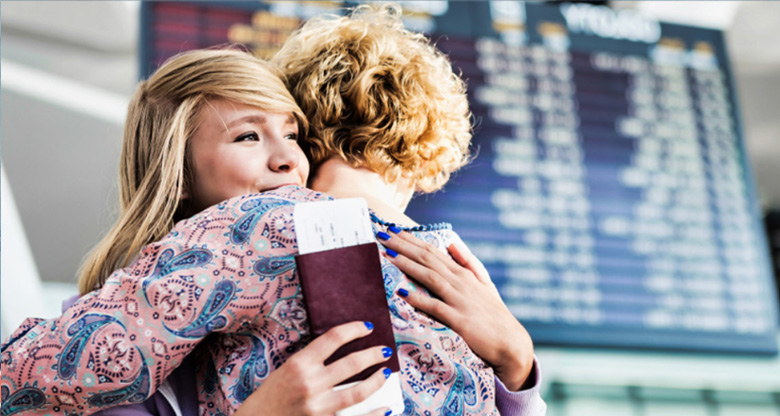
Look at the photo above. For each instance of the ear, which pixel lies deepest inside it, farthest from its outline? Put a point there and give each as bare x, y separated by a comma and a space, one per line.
185, 194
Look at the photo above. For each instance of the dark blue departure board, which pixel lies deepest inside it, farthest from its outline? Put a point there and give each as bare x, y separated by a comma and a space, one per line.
610, 198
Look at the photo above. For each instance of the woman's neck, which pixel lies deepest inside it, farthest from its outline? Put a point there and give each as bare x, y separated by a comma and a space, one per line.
340, 180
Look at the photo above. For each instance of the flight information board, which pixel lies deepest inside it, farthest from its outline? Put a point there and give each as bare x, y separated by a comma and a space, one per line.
610, 198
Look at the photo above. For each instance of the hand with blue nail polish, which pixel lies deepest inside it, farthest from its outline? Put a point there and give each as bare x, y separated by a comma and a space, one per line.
304, 384
466, 301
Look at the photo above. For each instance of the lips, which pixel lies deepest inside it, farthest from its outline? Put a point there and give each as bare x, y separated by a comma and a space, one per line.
270, 188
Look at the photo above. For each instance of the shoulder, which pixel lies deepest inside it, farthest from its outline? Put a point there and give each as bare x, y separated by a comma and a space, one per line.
439, 235
293, 194
236, 219
257, 204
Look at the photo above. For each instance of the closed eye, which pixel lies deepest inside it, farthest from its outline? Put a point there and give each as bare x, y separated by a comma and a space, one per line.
250, 136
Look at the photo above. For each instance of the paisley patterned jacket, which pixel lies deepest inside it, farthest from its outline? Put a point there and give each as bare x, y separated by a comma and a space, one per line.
224, 279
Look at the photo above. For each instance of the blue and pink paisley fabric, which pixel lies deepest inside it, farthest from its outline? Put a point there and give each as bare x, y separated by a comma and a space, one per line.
224, 279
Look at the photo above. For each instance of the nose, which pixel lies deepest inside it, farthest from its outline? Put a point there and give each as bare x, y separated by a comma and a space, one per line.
284, 158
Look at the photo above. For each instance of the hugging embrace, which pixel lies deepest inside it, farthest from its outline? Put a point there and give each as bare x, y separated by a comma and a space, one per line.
191, 303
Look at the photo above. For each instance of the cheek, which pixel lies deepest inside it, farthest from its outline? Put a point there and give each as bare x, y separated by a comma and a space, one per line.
303, 166
215, 170
203, 167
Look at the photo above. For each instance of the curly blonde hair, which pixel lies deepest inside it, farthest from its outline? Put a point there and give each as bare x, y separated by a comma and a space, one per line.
154, 168
378, 96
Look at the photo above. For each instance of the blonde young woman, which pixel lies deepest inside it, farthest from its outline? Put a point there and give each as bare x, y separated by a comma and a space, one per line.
227, 113
208, 125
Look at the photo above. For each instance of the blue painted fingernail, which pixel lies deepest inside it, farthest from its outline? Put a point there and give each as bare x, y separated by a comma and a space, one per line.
403, 292
391, 252
383, 235
388, 413
394, 229
387, 352
387, 372
369, 325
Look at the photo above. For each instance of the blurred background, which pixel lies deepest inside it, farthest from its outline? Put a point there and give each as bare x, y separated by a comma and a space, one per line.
557, 84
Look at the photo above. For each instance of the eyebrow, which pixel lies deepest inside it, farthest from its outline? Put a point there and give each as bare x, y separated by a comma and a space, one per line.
257, 119
254, 119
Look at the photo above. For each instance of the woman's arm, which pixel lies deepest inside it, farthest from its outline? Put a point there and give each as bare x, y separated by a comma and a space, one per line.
468, 302
301, 386
117, 344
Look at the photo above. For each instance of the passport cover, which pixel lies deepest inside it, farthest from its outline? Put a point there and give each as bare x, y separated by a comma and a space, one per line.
344, 285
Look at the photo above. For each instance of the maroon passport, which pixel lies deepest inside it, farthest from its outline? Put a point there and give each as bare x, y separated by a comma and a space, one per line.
344, 285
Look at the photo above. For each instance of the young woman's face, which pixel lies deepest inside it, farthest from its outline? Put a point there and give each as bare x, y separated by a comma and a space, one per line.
239, 149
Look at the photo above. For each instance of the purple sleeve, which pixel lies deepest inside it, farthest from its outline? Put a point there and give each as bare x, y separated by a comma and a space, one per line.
524, 402
153, 406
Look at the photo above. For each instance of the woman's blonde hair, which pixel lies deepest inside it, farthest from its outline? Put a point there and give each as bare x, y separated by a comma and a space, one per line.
154, 168
378, 96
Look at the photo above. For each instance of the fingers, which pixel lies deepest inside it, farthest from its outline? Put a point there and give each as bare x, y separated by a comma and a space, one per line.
430, 278
361, 391
424, 263
461, 264
325, 345
420, 251
356, 362
429, 305
466, 259
382, 411
305, 385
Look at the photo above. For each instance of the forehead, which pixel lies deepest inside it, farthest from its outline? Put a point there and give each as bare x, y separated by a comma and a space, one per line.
220, 109
221, 114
